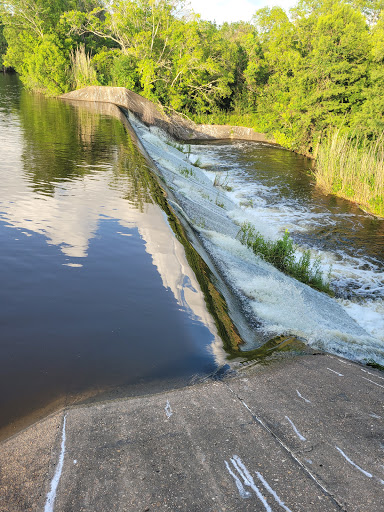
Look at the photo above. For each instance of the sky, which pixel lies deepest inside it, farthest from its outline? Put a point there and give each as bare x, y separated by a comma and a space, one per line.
234, 10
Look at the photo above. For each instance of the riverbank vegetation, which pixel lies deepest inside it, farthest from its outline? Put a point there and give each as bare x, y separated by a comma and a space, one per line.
353, 168
282, 254
300, 78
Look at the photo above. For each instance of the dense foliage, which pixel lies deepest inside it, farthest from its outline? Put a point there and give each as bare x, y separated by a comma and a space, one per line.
3, 45
295, 77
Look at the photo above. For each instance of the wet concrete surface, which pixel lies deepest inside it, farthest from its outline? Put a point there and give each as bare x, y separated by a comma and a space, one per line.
300, 435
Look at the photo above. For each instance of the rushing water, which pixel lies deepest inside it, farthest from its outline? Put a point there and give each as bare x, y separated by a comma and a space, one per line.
236, 182
96, 291
275, 188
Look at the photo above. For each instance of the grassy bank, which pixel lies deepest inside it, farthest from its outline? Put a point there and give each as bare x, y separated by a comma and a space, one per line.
353, 170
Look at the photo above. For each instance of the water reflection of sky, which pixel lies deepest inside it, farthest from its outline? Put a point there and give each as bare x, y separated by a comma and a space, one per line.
70, 218
95, 286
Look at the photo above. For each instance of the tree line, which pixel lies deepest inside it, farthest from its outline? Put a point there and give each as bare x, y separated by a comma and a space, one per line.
296, 77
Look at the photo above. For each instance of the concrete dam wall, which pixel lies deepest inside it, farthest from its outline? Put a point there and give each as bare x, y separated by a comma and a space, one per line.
154, 115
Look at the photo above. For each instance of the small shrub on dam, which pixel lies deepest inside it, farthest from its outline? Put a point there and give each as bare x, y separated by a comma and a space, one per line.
187, 173
221, 181
282, 255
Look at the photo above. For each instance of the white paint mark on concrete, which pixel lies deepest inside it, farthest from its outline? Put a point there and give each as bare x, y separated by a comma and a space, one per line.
284, 445
376, 416
337, 373
301, 396
353, 464
344, 362
373, 382
248, 480
302, 438
51, 496
309, 461
271, 491
168, 410
243, 493
75, 461
246, 406
373, 374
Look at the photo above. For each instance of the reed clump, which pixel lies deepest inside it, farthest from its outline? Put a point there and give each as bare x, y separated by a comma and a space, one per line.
82, 69
353, 169
282, 255
221, 181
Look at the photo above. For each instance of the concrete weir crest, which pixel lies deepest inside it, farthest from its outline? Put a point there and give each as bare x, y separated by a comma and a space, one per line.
151, 114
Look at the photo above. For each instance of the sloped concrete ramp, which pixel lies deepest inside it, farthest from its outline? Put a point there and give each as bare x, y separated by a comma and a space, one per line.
304, 434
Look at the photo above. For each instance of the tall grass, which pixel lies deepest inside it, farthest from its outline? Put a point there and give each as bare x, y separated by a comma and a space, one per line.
353, 169
282, 255
83, 72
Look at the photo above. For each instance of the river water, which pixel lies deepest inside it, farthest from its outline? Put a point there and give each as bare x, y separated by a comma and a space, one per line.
219, 186
274, 189
96, 294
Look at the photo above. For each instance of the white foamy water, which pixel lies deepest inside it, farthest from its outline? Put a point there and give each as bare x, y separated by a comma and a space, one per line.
218, 195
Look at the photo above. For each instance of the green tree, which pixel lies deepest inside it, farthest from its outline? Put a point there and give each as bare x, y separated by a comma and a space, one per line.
369, 120
166, 53
38, 48
317, 66
3, 45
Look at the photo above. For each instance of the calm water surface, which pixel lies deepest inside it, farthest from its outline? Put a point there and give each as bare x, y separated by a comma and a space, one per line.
96, 293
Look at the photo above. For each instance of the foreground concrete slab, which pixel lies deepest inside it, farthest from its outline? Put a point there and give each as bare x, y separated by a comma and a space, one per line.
329, 413
300, 435
25, 461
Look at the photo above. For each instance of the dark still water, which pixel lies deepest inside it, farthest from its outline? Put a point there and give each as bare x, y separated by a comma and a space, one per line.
96, 291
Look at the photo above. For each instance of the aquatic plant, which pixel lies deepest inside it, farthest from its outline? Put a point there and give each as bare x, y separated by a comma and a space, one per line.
249, 203
175, 145
222, 182
282, 255
372, 363
218, 202
197, 163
